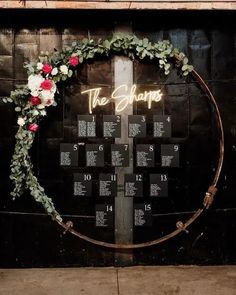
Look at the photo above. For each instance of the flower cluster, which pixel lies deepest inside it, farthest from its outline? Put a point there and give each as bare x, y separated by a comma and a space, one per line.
42, 90
42, 87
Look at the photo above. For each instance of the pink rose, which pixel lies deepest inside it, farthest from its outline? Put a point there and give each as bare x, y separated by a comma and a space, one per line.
74, 61
49, 102
35, 100
33, 127
47, 68
46, 84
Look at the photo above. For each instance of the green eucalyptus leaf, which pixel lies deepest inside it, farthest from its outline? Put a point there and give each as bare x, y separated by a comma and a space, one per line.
17, 109
70, 73
190, 68
139, 49
107, 44
145, 42
184, 67
185, 60
166, 67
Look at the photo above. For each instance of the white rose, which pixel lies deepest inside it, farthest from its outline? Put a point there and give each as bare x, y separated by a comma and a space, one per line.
54, 87
39, 66
21, 121
47, 97
34, 93
34, 82
43, 113
54, 71
64, 69
41, 106
35, 113
46, 94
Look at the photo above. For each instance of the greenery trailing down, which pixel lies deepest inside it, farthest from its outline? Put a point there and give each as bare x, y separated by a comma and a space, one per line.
32, 100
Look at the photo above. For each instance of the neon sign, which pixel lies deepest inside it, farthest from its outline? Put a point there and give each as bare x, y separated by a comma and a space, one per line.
122, 97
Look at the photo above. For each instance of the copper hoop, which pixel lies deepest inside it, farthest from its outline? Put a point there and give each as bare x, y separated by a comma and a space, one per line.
208, 198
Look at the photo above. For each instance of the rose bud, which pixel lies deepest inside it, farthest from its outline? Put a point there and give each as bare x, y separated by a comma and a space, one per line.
49, 102
46, 85
47, 68
35, 100
33, 127
74, 61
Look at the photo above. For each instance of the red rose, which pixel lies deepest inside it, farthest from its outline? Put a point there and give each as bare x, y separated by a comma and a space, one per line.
47, 68
46, 84
74, 61
35, 100
33, 127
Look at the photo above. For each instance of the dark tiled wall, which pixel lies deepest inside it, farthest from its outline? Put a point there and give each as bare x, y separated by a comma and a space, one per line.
30, 238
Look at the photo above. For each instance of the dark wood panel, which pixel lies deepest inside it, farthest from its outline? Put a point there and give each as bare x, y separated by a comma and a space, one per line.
30, 239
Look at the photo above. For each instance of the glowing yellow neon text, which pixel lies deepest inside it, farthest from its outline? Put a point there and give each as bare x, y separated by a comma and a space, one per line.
122, 97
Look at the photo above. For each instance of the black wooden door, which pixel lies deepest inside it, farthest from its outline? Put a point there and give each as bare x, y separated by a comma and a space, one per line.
28, 237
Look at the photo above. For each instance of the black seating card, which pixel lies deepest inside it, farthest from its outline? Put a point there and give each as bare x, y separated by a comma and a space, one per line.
162, 126
82, 184
158, 185
133, 185
137, 126
107, 185
170, 155
120, 155
145, 155
111, 126
94, 155
69, 154
104, 215
142, 215
86, 126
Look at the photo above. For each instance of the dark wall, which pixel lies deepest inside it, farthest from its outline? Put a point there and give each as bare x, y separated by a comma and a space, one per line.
28, 237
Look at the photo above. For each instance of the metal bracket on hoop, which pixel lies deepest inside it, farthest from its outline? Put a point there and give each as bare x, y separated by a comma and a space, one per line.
209, 197
182, 226
68, 225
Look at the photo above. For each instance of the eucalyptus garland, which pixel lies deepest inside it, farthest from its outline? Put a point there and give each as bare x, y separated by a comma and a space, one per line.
32, 100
